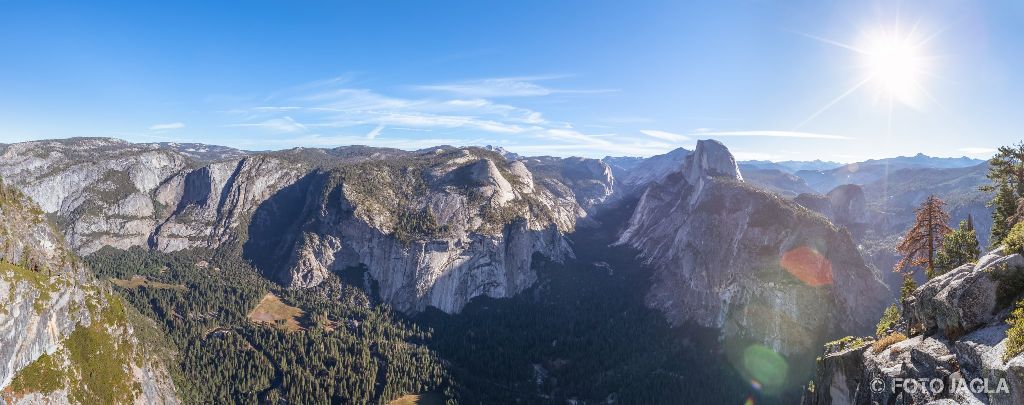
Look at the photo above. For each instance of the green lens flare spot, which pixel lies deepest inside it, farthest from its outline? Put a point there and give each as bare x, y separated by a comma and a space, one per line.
765, 366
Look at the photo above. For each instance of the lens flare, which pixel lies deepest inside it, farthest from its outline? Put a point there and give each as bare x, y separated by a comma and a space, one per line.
807, 265
765, 365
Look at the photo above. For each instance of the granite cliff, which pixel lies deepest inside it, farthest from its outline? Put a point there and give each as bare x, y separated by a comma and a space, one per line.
434, 227
64, 337
759, 267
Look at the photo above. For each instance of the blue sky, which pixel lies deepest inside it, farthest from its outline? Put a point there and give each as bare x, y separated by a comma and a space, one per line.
586, 78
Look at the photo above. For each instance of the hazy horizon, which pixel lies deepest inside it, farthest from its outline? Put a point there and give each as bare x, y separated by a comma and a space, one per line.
739, 158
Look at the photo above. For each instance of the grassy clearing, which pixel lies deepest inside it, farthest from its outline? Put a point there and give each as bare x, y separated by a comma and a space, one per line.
272, 311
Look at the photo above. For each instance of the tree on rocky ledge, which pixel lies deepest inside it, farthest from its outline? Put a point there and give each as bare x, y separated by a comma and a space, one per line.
918, 246
908, 288
1006, 170
958, 248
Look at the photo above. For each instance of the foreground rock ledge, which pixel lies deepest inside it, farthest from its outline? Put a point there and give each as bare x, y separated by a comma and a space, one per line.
959, 330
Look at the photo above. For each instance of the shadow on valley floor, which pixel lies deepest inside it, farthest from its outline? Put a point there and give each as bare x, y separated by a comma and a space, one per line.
583, 332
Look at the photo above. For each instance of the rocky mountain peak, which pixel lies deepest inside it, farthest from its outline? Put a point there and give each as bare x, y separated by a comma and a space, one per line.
710, 159
484, 174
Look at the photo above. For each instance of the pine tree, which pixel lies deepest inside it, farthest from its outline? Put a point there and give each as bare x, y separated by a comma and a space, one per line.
1007, 167
908, 288
1004, 207
958, 248
1006, 170
918, 246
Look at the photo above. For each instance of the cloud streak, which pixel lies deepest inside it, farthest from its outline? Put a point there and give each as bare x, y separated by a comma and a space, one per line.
524, 86
167, 127
374, 133
977, 151
321, 109
771, 134
284, 124
664, 135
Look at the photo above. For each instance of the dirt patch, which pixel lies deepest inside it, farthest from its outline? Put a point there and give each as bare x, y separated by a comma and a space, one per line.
272, 311
429, 398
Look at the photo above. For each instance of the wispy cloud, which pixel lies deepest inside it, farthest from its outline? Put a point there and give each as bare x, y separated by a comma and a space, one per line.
374, 132
331, 112
770, 134
525, 86
977, 151
167, 127
277, 125
744, 155
665, 135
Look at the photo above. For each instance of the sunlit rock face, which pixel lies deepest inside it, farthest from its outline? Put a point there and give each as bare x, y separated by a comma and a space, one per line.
761, 268
957, 331
710, 159
634, 174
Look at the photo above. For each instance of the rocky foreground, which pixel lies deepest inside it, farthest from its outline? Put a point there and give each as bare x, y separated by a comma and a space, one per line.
947, 347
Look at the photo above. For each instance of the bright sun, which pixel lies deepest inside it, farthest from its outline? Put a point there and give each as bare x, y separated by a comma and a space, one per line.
894, 62
896, 65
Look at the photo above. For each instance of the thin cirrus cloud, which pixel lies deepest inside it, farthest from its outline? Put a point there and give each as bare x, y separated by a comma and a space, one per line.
977, 151
284, 124
167, 127
665, 135
375, 132
770, 134
331, 111
525, 86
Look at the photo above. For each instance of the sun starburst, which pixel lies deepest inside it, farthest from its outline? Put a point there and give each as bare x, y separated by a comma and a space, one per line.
897, 65
893, 61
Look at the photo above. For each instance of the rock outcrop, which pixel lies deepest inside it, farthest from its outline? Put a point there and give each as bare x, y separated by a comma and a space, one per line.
462, 227
590, 182
710, 159
763, 269
634, 174
957, 331
56, 321
844, 205
775, 180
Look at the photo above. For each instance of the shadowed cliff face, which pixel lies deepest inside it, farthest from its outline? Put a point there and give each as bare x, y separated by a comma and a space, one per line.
763, 269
